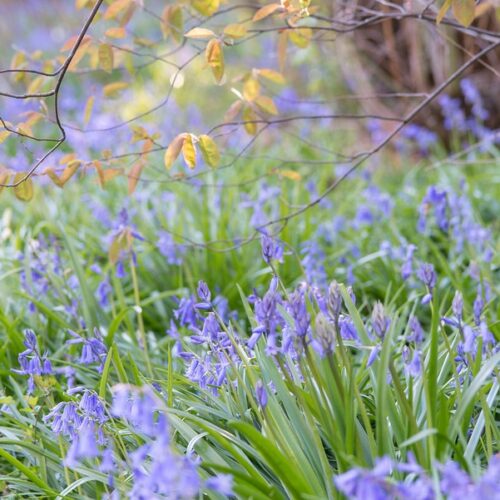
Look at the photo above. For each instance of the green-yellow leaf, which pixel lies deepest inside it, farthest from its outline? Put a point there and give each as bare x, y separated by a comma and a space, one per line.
206, 7
215, 58
173, 150
266, 104
271, 75
209, 150
172, 22
251, 89
113, 89
301, 36
23, 191
443, 10
464, 11
88, 110
189, 151
249, 118
235, 30
106, 57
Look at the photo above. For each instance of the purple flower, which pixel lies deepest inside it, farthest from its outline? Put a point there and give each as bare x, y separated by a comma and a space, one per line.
261, 394
186, 312
168, 248
271, 249
222, 484
334, 302
204, 295
416, 331
32, 363
361, 483
380, 322
407, 267
93, 349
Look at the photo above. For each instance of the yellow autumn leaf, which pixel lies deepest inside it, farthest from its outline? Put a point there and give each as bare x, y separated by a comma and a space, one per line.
271, 75
106, 59
172, 22
116, 7
235, 30
88, 110
251, 89
4, 177
206, 7
79, 54
300, 37
200, 33
189, 151
173, 150
3, 135
249, 118
215, 59
35, 85
117, 32
266, 11
443, 10
209, 150
290, 174
23, 191
464, 11
266, 104
113, 89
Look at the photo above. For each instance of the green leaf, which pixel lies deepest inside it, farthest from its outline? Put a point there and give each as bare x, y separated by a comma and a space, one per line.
106, 59
285, 467
23, 191
209, 150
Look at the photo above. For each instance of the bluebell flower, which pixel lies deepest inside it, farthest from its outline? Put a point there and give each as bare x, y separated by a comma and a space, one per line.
416, 331
407, 267
204, 295
222, 484
478, 306
93, 348
261, 394
427, 275
455, 483
412, 364
348, 329
323, 336
173, 252
362, 484
140, 406
380, 322
31, 362
313, 263
186, 312
334, 301
103, 292
373, 355
454, 116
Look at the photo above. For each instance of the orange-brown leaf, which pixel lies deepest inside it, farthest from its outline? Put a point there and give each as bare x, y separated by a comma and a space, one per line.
266, 11
173, 150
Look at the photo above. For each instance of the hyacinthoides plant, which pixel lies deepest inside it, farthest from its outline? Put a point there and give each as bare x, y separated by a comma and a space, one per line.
301, 388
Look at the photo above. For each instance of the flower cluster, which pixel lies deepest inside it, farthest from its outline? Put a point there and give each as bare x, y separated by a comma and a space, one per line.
378, 483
